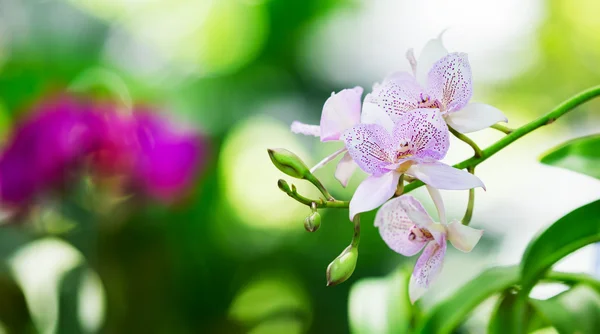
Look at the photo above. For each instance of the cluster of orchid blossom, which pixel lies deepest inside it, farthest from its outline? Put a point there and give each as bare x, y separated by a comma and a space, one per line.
401, 132
66, 136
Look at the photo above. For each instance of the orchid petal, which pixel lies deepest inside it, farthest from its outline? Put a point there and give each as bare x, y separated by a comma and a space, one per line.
438, 201
305, 129
398, 230
397, 95
373, 192
327, 159
426, 130
371, 147
475, 117
427, 268
433, 51
345, 168
373, 114
463, 238
442, 176
449, 81
341, 111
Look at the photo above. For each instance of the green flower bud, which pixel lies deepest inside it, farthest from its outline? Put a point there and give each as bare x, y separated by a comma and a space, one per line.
283, 186
288, 163
342, 267
312, 222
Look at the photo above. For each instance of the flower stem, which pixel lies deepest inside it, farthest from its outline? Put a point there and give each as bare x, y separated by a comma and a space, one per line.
502, 128
469, 213
400, 186
318, 203
467, 140
356, 235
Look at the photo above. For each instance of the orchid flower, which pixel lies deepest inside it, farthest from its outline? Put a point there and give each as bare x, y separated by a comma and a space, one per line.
340, 112
411, 146
407, 228
440, 80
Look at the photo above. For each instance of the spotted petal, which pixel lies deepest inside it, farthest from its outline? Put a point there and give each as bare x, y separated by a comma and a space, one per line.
427, 268
397, 95
397, 228
449, 81
340, 112
371, 147
433, 51
426, 130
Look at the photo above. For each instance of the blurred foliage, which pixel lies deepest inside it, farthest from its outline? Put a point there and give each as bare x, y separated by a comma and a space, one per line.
580, 155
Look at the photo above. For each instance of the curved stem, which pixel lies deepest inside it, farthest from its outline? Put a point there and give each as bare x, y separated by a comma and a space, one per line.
469, 213
467, 140
502, 128
317, 203
356, 235
515, 134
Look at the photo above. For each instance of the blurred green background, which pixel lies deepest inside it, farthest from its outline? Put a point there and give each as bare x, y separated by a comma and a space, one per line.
233, 257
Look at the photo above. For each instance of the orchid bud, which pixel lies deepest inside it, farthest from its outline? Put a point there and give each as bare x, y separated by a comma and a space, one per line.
312, 222
284, 186
288, 163
342, 267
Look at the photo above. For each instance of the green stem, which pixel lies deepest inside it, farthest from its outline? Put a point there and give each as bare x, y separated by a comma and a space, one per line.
318, 203
572, 279
400, 186
356, 235
502, 128
515, 134
312, 179
469, 213
467, 140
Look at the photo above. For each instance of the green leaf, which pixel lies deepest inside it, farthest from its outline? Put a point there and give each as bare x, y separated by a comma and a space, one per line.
579, 228
450, 313
581, 155
381, 305
503, 316
574, 311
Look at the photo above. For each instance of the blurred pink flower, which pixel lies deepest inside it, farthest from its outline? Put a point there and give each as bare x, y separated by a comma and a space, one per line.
63, 135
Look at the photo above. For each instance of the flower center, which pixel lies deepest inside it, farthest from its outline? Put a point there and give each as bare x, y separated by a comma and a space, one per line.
419, 234
427, 102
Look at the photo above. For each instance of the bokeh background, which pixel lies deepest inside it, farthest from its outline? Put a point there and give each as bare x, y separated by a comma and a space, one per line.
233, 256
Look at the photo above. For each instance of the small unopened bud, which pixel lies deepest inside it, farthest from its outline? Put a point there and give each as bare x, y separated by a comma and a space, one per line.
312, 222
283, 186
288, 163
342, 267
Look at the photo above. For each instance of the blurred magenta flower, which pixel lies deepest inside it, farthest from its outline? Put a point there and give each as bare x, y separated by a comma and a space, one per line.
45, 147
146, 150
407, 228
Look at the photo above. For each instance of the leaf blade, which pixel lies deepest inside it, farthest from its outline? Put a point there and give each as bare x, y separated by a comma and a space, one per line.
580, 155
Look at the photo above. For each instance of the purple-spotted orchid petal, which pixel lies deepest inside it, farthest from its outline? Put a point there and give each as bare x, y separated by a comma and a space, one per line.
440, 80
340, 112
463, 238
441, 176
400, 231
406, 228
475, 117
373, 192
433, 51
427, 268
